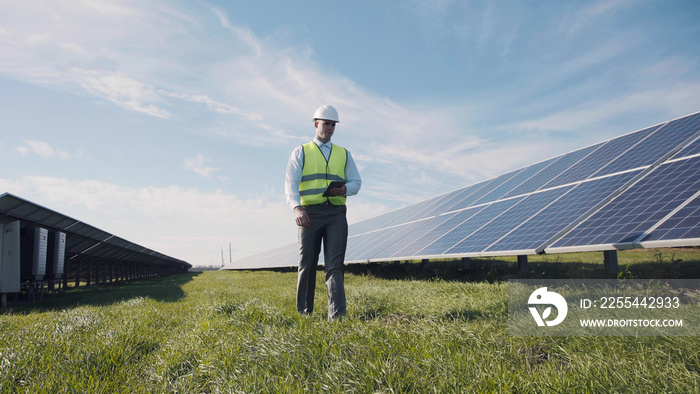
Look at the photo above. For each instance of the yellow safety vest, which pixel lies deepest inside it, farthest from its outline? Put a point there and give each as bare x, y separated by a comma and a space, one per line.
318, 173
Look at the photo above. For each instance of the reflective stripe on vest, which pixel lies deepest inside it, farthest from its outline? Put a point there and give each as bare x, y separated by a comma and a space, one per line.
318, 173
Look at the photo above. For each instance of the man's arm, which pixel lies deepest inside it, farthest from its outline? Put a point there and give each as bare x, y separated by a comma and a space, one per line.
292, 177
353, 180
291, 187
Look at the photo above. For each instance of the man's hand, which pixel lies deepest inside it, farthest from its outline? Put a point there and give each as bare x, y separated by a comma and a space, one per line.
301, 217
338, 191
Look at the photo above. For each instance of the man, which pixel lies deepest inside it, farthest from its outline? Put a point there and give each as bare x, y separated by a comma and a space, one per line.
321, 215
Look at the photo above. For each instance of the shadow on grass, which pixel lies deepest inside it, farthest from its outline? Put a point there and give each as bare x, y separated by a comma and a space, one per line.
165, 289
494, 270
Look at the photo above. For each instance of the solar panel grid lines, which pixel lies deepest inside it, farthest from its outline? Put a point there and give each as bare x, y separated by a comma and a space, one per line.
662, 142
502, 182
396, 217
626, 159
386, 220
683, 186
682, 224
684, 130
482, 189
557, 166
460, 199
375, 241
455, 197
507, 220
449, 201
423, 209
489, 212
516, 180
427, 209
399, 248
692, 149
388, 237
606, 153
577, 170
556, 218
357, 245
380, 221
439, 232
677, 225
283, 256
631, 213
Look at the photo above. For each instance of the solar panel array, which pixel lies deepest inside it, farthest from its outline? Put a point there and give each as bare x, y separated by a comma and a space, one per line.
641, 189
83, 240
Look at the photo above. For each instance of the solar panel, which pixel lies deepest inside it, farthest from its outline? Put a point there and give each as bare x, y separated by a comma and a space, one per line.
453, 198
283, 256
683, 224
402, 246
443, 244
506, 221
518, 179
382, 239
641, 189
532, 235
606, 153
82, 240
360, 244
626, 218
556, 167
488, 186
692, 149
432, 209
438, 232
663, 140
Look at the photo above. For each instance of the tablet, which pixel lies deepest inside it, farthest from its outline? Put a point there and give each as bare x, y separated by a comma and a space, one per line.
333, 185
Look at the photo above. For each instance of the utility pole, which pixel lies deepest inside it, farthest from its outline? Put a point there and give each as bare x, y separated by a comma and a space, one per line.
230, 259
222, 256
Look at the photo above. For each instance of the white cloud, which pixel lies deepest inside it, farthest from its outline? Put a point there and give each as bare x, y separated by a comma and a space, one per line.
42, 149
605, 6
214, 105
122, 91
243, 34
197, 165
679, 99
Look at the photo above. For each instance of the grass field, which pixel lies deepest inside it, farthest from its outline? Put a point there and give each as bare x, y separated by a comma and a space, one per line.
444, 330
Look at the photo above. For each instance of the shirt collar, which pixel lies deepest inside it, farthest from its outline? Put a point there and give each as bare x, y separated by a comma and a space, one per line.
320, 143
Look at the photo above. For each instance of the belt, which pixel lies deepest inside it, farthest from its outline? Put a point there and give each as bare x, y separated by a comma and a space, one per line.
316, 205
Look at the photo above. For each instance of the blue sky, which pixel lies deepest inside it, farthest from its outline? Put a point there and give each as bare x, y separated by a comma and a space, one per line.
170, 123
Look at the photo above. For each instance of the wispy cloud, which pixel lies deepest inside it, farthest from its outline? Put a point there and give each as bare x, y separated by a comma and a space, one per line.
42, 149
244, 34
121, 90
197, 165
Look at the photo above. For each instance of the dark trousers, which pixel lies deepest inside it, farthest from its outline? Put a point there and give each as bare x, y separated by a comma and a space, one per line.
328, 224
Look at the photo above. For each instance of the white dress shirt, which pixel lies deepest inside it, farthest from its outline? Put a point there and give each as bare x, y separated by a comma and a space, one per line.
296, 164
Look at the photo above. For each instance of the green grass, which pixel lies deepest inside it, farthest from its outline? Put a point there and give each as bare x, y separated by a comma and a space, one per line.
406, 331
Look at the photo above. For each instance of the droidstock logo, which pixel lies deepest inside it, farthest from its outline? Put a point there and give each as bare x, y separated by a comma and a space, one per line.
543, 297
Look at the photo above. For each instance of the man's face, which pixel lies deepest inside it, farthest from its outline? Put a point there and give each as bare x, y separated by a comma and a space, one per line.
324, 130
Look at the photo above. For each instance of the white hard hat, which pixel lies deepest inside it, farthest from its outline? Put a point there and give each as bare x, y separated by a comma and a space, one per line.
326, 112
